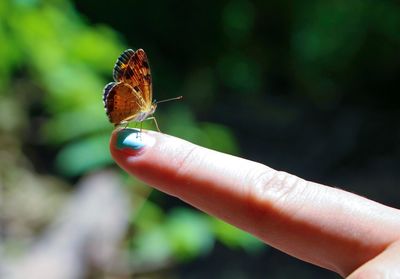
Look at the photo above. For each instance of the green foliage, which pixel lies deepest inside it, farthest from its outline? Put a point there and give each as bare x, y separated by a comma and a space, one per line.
87, 150
63, 64
240, 72
235, 238
183, 234
67, 59
189, 233
334, 41
225, 57
238, 19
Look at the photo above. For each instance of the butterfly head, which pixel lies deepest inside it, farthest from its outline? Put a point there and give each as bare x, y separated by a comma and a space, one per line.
152, 108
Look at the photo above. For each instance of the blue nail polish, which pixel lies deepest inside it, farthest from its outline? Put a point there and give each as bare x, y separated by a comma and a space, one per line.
129, 138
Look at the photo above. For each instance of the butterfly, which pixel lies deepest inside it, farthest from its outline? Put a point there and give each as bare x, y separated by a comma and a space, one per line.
129, 96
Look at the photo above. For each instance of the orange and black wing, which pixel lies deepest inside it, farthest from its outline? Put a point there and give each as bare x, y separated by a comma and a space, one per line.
132, 67
121, 102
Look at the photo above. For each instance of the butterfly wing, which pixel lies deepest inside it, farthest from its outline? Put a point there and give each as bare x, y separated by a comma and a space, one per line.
121, 102
132, 67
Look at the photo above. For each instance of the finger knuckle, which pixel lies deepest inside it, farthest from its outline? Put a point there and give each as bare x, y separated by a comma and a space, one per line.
275, 186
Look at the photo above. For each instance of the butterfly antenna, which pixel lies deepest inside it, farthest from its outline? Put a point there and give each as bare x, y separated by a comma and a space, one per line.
171, 99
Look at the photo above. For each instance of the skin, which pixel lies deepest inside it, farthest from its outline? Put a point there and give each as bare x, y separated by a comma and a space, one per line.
325, 226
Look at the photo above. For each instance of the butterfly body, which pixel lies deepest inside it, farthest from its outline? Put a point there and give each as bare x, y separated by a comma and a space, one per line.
143, 115
129, 97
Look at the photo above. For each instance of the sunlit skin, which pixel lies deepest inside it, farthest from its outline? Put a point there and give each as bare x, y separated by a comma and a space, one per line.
325, 226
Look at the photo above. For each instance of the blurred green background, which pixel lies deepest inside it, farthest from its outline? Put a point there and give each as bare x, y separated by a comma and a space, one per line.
308, 87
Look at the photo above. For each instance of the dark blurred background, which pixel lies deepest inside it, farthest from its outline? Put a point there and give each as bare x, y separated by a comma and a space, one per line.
307, 87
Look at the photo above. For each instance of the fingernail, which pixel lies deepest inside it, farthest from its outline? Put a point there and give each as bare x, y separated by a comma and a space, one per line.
132, 139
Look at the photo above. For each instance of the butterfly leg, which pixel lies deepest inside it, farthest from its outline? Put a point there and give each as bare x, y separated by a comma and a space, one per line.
155, 122
121, 125
141, 128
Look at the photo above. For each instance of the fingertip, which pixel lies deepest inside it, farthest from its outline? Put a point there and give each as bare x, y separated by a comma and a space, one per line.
151, 157
129, 142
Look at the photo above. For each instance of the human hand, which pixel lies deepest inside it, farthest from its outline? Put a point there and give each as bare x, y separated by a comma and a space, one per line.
325, 226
